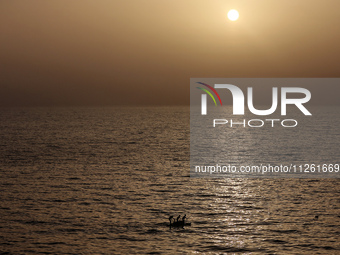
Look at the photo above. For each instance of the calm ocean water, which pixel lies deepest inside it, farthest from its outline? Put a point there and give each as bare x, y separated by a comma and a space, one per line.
105, 181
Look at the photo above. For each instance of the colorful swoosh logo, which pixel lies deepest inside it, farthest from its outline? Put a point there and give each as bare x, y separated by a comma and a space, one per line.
208, 92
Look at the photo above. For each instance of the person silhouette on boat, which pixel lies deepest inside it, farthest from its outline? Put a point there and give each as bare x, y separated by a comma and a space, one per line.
177, 222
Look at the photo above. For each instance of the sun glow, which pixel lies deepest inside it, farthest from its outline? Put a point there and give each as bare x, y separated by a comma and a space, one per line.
233, 15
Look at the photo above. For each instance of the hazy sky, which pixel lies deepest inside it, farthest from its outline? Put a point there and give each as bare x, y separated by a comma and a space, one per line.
132, 52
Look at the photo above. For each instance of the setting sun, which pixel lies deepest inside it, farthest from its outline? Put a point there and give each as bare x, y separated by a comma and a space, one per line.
233, 15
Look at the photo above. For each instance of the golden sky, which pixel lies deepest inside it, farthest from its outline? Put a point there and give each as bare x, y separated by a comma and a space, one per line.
143, 52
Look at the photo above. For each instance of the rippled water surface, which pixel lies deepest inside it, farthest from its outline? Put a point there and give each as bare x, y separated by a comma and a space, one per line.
105, 180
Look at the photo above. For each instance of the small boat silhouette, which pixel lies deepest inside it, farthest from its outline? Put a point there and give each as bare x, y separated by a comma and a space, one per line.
178, 222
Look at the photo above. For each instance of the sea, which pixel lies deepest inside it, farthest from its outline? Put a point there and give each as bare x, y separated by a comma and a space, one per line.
105, 180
